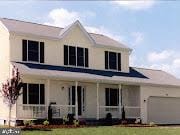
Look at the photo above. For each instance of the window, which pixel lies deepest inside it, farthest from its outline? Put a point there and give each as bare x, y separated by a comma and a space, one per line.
75, 56
112, 97
33, 51
33, 94
112, 60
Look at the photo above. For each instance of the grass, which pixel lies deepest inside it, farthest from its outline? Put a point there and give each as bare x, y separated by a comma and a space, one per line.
109, 131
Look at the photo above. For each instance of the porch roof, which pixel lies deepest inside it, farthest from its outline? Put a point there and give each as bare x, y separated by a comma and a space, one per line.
135, 76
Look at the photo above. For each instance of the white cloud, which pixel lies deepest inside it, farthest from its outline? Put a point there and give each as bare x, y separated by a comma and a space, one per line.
104, 31
161, 56
135, 5
166, 60
138, 38
63, 17
176, 63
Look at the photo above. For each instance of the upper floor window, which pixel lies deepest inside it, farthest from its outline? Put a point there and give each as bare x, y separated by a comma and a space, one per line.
33, 51
112, 60
75, 56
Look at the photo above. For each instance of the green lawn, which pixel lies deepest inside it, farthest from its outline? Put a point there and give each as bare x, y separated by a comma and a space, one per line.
109, 131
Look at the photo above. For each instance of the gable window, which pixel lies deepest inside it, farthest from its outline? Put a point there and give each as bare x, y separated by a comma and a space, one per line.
112, 97
33, 51
75, 56
33, 94
112, 60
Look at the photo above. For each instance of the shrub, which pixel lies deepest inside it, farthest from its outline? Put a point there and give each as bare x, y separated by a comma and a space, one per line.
28, 123
70, 119
138, 121
46, 123
152, 124
65, 120
76, 123
108, 119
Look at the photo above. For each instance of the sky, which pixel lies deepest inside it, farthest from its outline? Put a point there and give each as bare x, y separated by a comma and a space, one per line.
151, 28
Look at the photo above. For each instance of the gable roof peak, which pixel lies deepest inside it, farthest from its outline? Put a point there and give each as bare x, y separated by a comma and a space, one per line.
68, 28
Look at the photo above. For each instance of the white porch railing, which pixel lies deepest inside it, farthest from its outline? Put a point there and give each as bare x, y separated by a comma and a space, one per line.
114, 110
31, 111
130, 111
58, 111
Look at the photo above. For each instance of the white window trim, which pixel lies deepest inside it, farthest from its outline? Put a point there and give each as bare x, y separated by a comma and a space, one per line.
112, 109
117, 62
68, 65
39, 94
110, 96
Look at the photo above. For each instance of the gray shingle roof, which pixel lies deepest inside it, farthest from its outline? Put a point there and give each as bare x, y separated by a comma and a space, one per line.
54, 32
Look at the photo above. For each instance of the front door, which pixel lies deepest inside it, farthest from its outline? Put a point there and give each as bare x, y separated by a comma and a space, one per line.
80, 96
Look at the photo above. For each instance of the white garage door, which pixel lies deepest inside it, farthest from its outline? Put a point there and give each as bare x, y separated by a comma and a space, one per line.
163, 110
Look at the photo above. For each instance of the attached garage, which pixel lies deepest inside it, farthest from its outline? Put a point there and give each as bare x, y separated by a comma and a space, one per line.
163, 110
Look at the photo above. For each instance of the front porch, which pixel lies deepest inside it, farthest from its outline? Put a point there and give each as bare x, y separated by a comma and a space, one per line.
86, 100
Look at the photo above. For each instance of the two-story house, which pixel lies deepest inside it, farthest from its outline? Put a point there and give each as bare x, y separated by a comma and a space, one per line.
83, 73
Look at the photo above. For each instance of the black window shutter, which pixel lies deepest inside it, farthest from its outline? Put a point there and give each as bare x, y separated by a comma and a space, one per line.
41, 52
106, 60
119, 61
25, 93
107, 96
24, 50
42, 94
65, 55
86, 57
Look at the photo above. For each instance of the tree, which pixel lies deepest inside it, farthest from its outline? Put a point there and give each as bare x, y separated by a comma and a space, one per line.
10, 90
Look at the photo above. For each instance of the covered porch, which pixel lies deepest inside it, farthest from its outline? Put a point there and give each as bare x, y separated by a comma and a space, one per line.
86, 100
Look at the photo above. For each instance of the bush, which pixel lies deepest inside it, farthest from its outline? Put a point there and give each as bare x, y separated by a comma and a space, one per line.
138, 121
46, 123
152, 124
65, 120
69, 119
76, 123
28, 123
108, 119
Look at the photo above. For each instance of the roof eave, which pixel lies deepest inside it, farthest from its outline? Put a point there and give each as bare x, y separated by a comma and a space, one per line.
113, 47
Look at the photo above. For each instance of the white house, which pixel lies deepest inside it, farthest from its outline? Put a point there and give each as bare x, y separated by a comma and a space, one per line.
83, 73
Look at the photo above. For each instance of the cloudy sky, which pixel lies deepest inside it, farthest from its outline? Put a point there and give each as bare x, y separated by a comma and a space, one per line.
151, 28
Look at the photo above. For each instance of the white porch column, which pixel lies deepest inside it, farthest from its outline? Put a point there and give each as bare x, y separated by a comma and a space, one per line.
120, 88
97, 103
47, 95
76, 100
